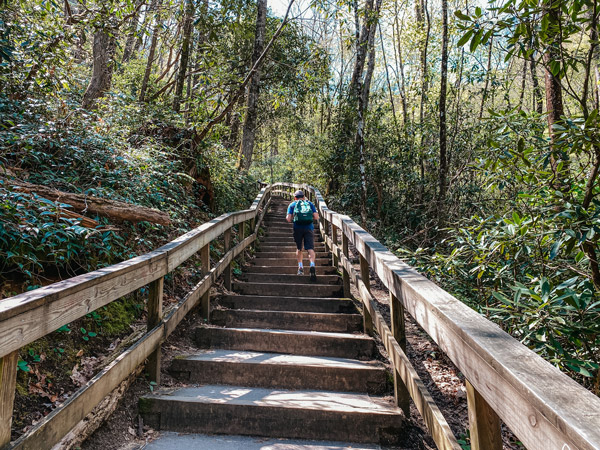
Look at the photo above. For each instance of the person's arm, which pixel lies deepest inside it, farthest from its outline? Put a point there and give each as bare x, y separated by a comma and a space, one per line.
315, 213
289, 213
288, 218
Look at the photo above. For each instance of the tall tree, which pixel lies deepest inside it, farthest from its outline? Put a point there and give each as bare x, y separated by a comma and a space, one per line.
104, 49
443, 171
249, 129
155, 9
185, 53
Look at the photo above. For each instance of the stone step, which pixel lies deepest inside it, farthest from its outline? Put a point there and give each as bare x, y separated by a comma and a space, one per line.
288, 278
282, 254
288, 289
276, 370
308, 343
287, 320
176, 441
270, 303
274, 413
288, 261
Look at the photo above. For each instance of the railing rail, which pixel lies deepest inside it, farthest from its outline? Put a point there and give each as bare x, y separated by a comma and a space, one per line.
32, 315
543, 407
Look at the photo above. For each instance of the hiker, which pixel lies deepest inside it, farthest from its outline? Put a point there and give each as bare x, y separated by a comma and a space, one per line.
302, 212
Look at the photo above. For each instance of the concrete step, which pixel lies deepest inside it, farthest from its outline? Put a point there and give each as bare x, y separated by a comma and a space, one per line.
275, 370
288, 261
274, 413
285, 278
177, 441
270, 303
288, 290
309, 343
288, 248
287, 320
287, 240
321, 270
282, 254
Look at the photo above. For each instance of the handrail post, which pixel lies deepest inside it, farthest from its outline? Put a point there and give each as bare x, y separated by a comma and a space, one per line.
345, 274
401, 394
252, 225
155, 315
242, 236
205, 300
484, 423
334, 239
364, 275
227, 271
8, 384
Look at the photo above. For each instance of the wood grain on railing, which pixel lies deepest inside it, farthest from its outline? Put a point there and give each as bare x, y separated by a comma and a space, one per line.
32, 315
545, 408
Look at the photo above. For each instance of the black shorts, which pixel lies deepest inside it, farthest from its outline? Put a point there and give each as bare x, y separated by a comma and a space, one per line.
306, 235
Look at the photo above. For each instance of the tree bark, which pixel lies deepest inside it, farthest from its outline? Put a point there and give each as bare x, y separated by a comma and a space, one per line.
101, 206
185, 54
538, 100
487, 79
132, 36
370, 26
155, 8
249, 129
400, 67
104, 48
443, 173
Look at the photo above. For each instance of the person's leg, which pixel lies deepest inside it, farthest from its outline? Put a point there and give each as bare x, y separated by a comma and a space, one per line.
298, 234
309, 245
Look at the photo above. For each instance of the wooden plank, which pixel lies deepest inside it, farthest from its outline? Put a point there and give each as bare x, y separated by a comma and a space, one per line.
205, 300
45, 434
334, 238
365, 277
431, 414
227, 271
155, 314
345, 274
44, 310
58, 423
545, 415
8, 383
484, 423
241, 237
401, 394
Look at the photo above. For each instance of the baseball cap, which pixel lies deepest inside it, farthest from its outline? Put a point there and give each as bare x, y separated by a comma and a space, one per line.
298, 194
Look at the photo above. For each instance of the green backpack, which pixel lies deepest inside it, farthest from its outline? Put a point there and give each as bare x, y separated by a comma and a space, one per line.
303, 214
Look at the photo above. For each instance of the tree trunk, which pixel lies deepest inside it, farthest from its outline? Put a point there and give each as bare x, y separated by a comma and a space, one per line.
132, 36
156, 4
487, 79
443, 173
523, 83
185, 54
538, 100
370, 26
105, 45
400, 67
100, 206
554, 101
249, 129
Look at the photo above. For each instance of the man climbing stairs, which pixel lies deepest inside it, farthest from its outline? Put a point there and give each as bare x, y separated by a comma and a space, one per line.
284, 358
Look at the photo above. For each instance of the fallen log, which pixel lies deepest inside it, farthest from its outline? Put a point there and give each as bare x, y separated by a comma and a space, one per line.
94, 205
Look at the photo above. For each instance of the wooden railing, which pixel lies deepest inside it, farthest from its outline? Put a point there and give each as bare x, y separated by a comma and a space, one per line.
506, 381
32, 315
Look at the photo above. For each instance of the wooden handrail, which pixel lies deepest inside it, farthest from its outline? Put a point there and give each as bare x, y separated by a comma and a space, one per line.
29, 316
545, 408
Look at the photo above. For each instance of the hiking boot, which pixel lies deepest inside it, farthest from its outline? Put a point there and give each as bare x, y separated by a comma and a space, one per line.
313, 274
300, 271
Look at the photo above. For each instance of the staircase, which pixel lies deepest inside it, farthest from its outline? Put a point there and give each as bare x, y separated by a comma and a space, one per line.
284, 358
